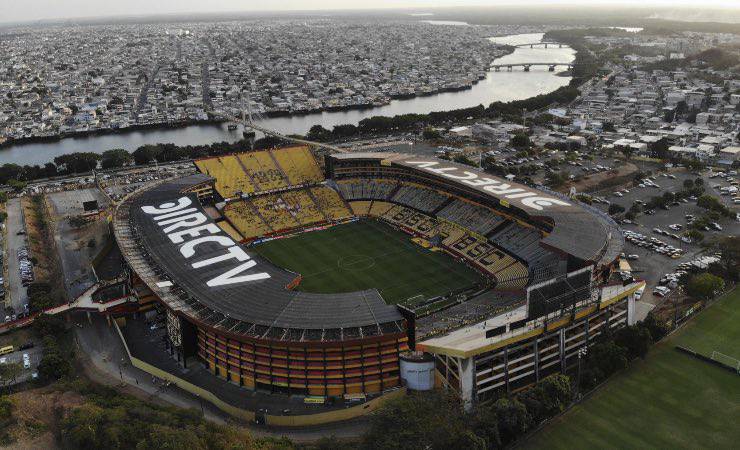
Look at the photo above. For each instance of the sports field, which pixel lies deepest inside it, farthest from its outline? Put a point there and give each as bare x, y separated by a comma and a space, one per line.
670, 400
367, 254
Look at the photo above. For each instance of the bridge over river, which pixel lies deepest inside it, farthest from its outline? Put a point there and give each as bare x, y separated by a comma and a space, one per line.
526, 66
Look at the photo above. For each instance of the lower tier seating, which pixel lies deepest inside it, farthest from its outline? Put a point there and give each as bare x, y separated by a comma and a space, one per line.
246, 220
361, 207
330, 203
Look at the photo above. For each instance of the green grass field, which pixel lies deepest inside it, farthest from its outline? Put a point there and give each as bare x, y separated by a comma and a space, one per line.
364, 255
670, 400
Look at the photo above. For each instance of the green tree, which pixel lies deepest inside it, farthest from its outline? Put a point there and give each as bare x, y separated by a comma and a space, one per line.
48, 325
627, 152
695, 235
77, 162
9, 373
55, 363
729, 260
657, 329
520, 141
635, 339
556, 179
615, 208
115, 158
484, 423
712, 203
602, 360
431, 133
17, 185
513, 419
558, 393
704, 286
431, 420
6, 420
318, 133
146, 154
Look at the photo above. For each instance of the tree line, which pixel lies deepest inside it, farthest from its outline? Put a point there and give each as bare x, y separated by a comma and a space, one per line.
435, 420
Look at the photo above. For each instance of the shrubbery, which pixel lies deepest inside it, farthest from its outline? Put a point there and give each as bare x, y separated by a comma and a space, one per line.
114, 421
435, 419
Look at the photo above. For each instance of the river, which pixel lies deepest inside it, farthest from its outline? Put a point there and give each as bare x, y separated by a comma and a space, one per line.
496, 86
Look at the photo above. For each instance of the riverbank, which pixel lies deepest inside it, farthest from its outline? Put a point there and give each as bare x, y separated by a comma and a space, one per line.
494, 87
9, 142
108, 131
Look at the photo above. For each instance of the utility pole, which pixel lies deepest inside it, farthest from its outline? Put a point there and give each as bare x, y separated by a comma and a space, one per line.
581, 354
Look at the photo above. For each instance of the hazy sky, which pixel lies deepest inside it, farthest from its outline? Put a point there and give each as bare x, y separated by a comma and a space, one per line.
23, 10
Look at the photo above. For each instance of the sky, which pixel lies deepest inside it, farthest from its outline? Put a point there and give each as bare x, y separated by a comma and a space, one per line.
30, 10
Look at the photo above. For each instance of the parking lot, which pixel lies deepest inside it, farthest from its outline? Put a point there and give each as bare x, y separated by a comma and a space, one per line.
16, 241
119, 184
28, 370
651, 265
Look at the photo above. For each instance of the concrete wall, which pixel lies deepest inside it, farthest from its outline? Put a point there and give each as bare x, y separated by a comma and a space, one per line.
280, 421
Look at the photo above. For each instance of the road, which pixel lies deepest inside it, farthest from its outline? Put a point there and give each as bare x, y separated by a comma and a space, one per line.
35, 355
16, 290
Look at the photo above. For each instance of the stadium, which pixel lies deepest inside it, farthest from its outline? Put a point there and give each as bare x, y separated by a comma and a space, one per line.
344, 276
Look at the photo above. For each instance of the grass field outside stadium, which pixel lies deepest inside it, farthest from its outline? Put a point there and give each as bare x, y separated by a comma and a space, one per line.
669, 400
364, 255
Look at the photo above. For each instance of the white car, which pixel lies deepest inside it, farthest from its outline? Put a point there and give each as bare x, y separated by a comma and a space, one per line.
26, 361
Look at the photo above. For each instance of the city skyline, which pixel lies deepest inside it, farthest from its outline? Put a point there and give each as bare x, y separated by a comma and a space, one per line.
45, 10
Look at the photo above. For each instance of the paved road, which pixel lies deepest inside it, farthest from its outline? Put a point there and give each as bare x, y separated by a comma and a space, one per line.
16, 290
35, 355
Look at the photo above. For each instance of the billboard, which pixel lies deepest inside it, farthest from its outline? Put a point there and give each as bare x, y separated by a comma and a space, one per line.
91, 205
559, 294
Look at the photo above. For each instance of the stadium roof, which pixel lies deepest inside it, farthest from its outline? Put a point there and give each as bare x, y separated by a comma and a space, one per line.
576, 229
223, 285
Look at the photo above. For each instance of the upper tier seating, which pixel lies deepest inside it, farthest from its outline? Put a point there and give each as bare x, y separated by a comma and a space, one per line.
230, 178
476, 218
261, 168
517, 238
298, 164
366, 188
259, 171
418, 197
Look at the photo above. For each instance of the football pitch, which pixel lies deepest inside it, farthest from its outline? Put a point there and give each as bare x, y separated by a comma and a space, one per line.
364, 255
669, 400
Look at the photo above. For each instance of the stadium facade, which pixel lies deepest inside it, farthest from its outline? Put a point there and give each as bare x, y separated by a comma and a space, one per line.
186, 242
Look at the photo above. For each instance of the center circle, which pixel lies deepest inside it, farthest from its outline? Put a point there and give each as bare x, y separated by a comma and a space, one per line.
356, 262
